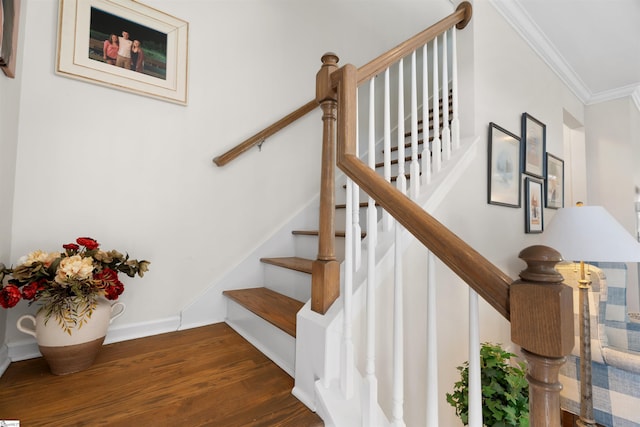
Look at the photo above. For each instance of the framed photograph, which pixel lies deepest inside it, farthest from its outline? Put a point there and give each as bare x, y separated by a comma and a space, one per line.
504, 167
124, 45
554, 182
9, 24
533, 206
534, 135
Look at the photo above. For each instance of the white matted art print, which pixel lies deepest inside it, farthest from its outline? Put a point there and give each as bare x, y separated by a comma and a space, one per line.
125, 45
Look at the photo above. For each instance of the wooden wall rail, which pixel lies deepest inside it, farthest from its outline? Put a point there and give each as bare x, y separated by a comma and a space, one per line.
259, 137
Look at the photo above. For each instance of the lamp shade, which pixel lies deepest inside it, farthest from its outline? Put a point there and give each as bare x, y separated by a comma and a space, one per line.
590, 233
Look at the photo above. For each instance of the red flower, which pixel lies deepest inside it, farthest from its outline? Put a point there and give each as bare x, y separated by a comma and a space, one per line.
9, 296
108, 280
29, 291
88, 243
71, 247
113, 292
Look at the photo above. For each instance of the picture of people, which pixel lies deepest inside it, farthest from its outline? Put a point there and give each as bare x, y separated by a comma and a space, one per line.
119, 42
137, 56
110, 49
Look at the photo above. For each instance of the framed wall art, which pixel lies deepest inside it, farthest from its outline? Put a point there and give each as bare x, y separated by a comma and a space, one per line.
534, 135
9, 25
554, 182
124, 45
533, 206
504, 167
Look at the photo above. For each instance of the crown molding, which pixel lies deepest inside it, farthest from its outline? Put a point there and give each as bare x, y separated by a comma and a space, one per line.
522, 22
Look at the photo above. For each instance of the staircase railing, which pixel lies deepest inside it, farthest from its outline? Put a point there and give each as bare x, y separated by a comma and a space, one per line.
545, 333
538, 306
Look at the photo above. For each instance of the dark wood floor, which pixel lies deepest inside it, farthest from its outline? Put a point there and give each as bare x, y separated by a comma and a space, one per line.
207, 376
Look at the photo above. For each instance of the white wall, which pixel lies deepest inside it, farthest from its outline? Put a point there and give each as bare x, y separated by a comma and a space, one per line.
136, 173
9, 113
613, 148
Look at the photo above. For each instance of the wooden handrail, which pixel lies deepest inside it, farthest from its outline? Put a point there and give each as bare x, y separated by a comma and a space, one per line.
459, 18
479, 273
259, 137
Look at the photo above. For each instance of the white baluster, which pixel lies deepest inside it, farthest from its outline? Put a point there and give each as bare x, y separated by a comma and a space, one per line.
397, 412
426, 151
401, 183
475, 385
415, 163
387, 219
347, 363
455, 121
436, 149
355, 210
369, 413
446, 132
432, 345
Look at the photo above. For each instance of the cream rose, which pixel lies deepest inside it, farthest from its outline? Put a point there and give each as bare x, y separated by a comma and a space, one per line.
40, 256
74, 267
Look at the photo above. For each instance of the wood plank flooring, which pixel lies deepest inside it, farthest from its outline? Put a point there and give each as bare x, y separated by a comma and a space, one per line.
208, 376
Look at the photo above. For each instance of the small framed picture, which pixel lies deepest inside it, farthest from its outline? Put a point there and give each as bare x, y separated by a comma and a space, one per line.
534, 135
504, 167
124, 45
533, 206
9, 23
554, 182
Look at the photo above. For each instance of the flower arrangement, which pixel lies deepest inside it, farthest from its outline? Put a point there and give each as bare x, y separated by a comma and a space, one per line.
68, 283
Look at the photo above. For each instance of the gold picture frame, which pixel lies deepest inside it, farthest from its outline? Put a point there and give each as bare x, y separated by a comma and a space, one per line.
85, 25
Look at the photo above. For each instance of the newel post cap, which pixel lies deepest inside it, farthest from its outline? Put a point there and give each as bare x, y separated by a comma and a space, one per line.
541, 305
324, 91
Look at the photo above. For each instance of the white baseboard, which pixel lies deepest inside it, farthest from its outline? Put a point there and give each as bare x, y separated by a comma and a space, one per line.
4, 359
28, 348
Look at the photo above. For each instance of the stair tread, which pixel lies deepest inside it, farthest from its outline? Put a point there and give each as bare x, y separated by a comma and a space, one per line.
293, 263
277, 309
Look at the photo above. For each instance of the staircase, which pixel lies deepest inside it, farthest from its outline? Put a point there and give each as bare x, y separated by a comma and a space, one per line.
305, 322
266, 315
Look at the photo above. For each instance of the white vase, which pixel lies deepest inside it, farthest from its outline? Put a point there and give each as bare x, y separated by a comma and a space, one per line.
68, 353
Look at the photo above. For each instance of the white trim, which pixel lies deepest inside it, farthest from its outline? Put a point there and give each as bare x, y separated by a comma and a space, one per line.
28, 348
521, 21
4, 359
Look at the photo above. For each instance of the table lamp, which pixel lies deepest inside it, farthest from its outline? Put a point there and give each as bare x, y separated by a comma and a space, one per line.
588, 233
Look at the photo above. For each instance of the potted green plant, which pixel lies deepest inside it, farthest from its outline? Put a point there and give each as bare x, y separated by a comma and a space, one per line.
505, 390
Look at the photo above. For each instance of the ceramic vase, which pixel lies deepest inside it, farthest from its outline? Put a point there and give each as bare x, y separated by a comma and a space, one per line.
68, 353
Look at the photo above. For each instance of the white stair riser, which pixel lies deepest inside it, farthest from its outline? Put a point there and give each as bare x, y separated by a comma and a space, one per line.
307, 246
292, 283
276, 344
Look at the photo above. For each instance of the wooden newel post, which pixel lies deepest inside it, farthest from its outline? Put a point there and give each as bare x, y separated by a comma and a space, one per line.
325, 275
542, 324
